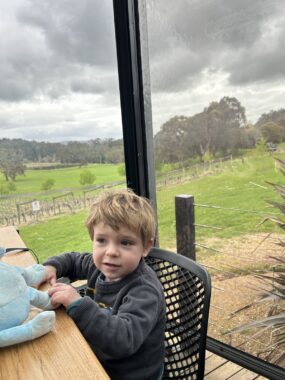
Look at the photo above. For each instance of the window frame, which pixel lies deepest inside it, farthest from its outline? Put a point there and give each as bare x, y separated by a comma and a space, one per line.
138, 143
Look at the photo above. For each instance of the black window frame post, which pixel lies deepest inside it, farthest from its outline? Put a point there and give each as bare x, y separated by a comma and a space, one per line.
137, 134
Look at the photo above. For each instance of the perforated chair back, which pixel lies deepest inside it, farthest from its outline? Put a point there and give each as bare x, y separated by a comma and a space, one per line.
187, 289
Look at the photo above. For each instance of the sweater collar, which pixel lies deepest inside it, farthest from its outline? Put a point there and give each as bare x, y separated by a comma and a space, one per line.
118, 284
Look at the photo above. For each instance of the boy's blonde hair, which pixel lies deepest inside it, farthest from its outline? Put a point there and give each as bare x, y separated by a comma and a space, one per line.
123, 208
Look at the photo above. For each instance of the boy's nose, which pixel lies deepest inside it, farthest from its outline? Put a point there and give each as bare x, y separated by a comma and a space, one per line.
112, 250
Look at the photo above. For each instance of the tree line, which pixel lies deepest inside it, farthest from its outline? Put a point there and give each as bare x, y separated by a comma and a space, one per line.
93, 151
220, 129
16, 153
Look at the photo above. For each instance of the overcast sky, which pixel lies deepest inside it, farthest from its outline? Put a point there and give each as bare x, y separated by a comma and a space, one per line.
58, 69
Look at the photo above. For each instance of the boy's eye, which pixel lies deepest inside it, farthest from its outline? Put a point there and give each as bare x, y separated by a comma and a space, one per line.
100, 240
126, 242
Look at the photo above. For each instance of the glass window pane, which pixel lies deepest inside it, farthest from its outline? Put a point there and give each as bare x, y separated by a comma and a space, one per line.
60, 120
217, 87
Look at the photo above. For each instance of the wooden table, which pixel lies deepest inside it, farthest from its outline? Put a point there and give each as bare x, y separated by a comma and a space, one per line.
61, 354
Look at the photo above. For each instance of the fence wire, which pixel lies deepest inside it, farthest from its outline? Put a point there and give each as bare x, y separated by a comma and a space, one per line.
237, 266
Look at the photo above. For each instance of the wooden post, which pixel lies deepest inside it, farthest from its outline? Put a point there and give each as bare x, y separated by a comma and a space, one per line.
18, 213
185, 228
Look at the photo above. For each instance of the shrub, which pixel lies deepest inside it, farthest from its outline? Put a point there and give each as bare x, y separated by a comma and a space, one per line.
86, 177
48, 184
3, 189
8, 187
122, 170
11, 186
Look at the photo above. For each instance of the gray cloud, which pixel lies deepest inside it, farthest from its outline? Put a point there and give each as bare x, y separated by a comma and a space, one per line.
78, 31
265, 60
48, 43
58, 68
86, 86
211, 33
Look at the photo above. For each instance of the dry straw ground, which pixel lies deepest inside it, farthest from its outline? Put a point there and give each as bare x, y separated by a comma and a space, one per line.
236, 285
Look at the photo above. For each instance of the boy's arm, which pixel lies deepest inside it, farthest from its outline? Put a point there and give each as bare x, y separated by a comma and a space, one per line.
49, 275
122, 334
73, 265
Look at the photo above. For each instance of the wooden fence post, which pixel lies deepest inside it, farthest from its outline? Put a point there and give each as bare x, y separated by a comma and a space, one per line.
185, 227
18, 213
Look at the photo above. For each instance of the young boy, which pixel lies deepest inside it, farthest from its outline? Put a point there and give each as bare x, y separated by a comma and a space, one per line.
123, 318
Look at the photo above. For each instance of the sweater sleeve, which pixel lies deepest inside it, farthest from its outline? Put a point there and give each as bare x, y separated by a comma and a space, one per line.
73, 265
122, 334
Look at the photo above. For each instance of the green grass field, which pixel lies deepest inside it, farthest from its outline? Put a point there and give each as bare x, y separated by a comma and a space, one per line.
243, 187
241, 192
64, 178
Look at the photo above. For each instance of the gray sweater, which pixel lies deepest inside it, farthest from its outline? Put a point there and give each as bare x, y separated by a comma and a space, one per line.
123, 321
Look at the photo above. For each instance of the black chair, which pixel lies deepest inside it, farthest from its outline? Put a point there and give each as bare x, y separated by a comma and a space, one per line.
187, 289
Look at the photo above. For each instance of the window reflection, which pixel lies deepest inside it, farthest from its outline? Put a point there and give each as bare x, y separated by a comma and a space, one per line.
217, 89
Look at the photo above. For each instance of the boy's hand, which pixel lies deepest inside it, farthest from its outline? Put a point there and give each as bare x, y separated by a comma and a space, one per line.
49, 275
63, 294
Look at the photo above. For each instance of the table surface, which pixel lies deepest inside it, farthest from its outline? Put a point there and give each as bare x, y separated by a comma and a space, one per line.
61, 354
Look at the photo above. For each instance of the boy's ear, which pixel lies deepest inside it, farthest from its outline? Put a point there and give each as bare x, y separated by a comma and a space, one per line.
149, 245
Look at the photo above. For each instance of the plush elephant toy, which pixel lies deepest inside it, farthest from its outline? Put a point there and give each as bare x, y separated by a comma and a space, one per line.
16, 296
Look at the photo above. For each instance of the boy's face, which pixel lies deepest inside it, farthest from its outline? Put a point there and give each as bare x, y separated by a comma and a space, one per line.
117, 253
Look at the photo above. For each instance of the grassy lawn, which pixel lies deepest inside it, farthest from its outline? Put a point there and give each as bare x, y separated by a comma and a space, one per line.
242, 188
240, 193
58, 235
32, 181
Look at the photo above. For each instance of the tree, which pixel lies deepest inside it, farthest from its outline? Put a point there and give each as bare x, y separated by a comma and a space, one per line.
218, 130
248, 136
195, 137
276, 116
86, 177
272, 132
168, 141
11, 164
225, 120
